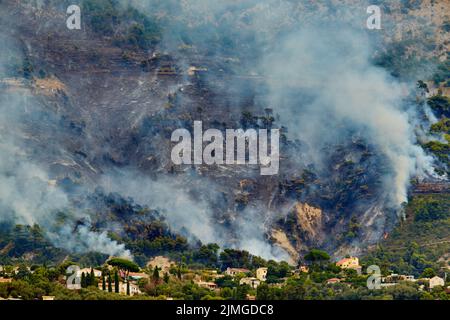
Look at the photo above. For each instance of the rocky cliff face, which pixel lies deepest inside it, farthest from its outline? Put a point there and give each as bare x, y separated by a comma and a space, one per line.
99, 103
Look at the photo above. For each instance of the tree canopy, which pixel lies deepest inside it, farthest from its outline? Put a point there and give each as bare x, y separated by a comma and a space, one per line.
124, 264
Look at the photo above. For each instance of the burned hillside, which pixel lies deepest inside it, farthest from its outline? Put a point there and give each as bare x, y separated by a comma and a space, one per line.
97, 107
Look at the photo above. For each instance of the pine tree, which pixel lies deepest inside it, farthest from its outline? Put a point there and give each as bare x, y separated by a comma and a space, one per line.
116, 282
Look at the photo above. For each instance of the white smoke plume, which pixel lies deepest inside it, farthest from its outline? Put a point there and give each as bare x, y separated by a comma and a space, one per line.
187, 203
322, 52
28, 195
332, 68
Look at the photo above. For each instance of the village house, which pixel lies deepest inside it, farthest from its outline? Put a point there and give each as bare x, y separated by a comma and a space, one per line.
395, 278
206, 284
436, 281
138, 275
134, 288
333, 280
261, 274
252, 282
235, 271
350, 263
48, 298
5, 280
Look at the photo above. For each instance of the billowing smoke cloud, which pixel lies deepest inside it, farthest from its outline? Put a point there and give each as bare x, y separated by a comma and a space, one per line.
81, 239
253, 230
188, 204
28, 195
323, 84
170, 196
321, 80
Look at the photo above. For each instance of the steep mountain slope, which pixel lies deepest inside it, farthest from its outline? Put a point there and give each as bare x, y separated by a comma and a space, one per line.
96, 108
421, 241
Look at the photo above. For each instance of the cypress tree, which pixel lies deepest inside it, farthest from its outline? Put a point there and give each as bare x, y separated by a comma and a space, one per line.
156, 274
109, 283
92, 278
83, 280
116, 282
128, 287
179, 272
103, 283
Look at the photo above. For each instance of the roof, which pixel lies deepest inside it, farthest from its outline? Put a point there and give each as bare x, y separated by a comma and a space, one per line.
345, 260
138, 275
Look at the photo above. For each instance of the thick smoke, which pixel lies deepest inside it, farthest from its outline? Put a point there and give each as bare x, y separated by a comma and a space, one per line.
253, 230
322, 84
321, 79
169, 196
345, 92
28, 195
188, 204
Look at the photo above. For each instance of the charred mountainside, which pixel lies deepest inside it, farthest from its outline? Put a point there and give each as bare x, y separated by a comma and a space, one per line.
100, 105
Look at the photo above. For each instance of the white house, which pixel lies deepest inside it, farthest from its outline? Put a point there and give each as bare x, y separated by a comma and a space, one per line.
235, 271
436, 281
261, 274
252, 282
207, 284
134, 288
